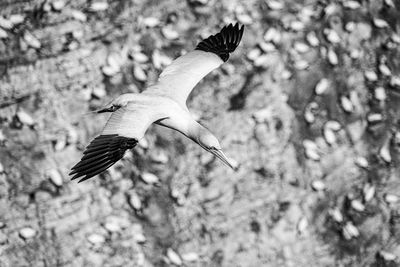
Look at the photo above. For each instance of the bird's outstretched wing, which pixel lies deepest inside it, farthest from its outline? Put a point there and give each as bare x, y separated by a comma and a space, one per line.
178, 79
123, 130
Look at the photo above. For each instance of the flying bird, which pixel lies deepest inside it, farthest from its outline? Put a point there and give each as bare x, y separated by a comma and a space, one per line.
163, 103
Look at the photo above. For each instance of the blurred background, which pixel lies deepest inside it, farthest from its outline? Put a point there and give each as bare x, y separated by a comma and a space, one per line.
308, 105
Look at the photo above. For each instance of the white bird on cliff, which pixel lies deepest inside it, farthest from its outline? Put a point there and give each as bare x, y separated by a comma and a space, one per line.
163, 103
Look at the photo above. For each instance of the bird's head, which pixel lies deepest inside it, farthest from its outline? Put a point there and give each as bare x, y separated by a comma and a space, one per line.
118, 102
211, 144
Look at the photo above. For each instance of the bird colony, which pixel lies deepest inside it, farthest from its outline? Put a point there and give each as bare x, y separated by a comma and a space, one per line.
307, 105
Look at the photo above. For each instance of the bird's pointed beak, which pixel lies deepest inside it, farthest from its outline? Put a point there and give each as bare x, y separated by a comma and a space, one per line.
219, 154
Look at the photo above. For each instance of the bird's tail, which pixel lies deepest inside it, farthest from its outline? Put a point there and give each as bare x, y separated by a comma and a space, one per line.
102, 110
109, 109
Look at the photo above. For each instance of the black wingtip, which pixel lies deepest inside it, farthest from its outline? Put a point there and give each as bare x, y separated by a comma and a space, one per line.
103, 152
224, 42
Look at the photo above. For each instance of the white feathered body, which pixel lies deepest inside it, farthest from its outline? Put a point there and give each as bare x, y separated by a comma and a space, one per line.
163, 103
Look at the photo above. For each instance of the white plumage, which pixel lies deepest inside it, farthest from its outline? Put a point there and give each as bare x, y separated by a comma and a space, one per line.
178, 79
163, 103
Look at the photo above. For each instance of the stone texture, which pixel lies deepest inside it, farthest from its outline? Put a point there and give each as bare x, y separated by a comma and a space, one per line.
77, 57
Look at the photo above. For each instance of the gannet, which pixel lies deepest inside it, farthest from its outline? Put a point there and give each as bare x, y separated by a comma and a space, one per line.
163, 103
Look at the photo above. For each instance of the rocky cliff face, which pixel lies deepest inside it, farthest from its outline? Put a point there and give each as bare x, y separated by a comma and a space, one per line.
308, 105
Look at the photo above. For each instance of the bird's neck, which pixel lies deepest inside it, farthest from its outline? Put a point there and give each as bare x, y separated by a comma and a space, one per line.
183, 124
194, 131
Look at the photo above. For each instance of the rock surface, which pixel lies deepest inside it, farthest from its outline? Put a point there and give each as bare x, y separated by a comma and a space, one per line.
305, 195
